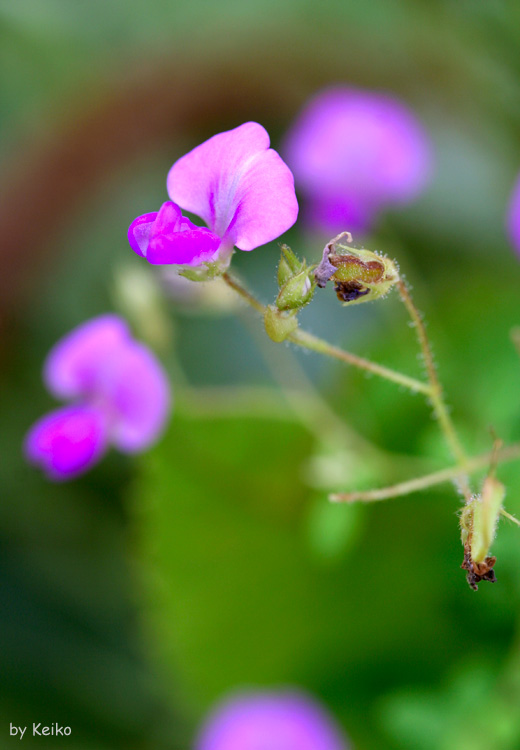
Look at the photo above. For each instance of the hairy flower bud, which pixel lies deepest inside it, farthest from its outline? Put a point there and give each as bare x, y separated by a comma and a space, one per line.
296, 292
360, 275
295, 281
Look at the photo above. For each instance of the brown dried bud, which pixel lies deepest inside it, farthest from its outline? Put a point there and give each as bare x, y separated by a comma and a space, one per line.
360, 275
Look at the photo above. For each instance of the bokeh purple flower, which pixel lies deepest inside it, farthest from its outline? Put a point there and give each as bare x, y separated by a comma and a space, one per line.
270, 721
119, 392
238, 185
513, 216
353, 154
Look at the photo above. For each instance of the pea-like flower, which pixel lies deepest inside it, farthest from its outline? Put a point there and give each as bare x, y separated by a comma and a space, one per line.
353, 154
270, 721
119, 396
238, 185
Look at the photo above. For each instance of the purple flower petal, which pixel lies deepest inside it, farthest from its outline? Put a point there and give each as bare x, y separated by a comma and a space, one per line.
360, 147
270, 721
67, 442
139, 233
238, 185
75, 364
137, 398
347, 210
167, 237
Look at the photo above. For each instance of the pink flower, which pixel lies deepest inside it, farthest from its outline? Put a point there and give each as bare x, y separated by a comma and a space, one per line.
238, 185
120, 396
353, 154
270, 721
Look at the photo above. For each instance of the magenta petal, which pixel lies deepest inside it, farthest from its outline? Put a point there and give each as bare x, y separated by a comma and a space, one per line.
187, 247
137, 395
168, 220
67, 442
139, 233
270, 721
75, 364
238, 185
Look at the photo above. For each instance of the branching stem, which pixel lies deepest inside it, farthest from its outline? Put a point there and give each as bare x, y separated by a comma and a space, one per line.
308, 341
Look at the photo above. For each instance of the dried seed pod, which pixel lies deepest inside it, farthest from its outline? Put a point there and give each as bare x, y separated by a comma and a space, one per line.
359, 275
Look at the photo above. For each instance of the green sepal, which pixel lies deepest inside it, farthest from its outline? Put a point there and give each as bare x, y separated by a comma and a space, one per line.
279, 325
486, 509
207, 271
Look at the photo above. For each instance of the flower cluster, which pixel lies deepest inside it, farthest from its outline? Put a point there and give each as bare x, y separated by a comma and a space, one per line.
120, 396
353, 153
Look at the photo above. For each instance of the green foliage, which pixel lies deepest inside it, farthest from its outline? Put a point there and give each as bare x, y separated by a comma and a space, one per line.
332, 529
235, 543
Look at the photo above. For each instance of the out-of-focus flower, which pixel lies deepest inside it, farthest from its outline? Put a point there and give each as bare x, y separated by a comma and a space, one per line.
205, 297
120, 396
238, 185
513, 216
270, 721
353, 154
137, 295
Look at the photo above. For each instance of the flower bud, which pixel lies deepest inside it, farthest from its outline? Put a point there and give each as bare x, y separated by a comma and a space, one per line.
279, 325
296, 292
360, 275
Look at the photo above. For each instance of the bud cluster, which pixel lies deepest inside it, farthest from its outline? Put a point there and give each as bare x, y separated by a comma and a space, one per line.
296, 285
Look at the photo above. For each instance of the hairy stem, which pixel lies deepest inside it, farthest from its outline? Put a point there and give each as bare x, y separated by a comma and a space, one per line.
242, 291
436, 395
308, 341
509, 453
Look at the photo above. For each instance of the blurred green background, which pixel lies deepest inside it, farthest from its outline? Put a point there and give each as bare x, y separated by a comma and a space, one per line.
135, 597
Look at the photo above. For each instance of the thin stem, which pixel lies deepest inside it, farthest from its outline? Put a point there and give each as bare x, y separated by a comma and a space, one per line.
247, 296
510, 453
308, 341
509, 516
436, 395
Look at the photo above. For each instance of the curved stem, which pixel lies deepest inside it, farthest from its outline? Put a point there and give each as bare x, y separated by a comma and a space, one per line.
308, 341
